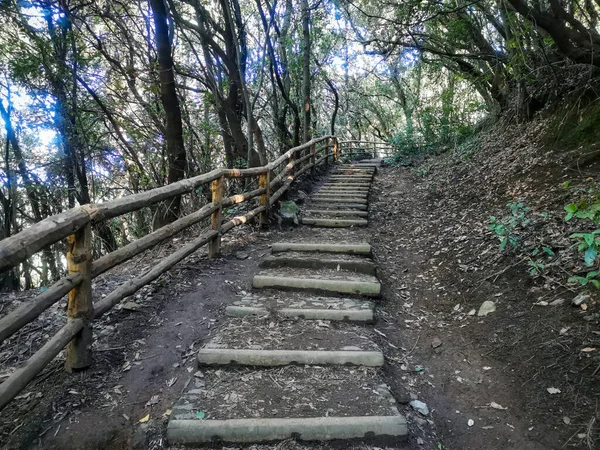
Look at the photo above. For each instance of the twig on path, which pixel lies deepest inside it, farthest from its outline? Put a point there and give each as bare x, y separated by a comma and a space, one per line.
497, 274
412, 349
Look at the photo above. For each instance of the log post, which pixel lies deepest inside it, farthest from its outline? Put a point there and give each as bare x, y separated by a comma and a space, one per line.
263, 182
336, 155
80, 306
214, 246
313, 152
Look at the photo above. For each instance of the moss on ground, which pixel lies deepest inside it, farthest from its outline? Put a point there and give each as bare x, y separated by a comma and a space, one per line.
576, 127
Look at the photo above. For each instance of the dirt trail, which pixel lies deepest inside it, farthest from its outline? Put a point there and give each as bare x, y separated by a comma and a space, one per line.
490, 370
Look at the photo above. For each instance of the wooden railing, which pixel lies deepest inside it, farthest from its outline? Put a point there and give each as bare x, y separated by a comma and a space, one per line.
76, 226
356, 148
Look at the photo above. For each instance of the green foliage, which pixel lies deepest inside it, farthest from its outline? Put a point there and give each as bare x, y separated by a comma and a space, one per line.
584, 210
537, 266
589, 245
505, 227
590, 278
575, 128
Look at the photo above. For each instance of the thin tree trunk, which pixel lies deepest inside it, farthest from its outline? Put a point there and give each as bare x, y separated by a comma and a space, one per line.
170, 102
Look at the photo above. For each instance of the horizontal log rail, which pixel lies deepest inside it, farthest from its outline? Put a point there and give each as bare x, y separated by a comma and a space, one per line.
357, 147
75, 225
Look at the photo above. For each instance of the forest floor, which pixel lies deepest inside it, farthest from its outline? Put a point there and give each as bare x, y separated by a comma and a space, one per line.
522, 377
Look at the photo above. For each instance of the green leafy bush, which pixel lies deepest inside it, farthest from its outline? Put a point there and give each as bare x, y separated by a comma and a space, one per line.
506, 226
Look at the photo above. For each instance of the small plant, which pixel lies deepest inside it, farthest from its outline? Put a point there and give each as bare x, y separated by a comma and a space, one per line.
590, 278
505, 226
537, 266
584, 210
589, 245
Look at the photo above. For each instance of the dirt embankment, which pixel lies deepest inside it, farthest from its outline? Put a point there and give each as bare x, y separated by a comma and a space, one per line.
526, 375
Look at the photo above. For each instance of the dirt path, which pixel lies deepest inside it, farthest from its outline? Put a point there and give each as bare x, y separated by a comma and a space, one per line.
493, 371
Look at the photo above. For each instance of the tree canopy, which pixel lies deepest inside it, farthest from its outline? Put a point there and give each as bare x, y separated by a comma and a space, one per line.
102, 99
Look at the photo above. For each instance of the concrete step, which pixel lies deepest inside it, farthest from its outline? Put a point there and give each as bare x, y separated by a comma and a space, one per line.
347, 315
353, 184
342, 205
322, 247
271, 358
333, 212
192, 432
359, 265
334, 223
299, 305
340, 282
346, 188
336, 199
346, 194
244, 405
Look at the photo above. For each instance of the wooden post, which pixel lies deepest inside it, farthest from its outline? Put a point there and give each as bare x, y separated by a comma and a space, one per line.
336, 155
214, 246
80, 306
313, 152
263, 182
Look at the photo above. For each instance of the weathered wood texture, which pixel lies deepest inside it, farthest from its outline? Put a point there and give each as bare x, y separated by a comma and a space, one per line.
28, 311
34, 365
214, 247
80, 306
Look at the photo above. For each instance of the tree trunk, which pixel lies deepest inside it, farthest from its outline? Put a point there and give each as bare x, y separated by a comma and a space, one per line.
169, 211
306, 70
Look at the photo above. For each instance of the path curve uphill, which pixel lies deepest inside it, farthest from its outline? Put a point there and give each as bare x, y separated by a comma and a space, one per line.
296, 358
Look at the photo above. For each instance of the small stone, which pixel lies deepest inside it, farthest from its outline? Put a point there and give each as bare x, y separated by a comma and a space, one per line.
581, 298
436, 342
567, 420
558, 302
419, 406
471, 422
472, 312
420, 441
130, 306
486, 307
241, 255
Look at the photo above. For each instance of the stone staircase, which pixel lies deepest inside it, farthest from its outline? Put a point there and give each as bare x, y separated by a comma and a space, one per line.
296, 358
342, 201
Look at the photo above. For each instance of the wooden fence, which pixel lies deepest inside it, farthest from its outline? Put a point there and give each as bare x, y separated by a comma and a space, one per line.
76, 226
373, 149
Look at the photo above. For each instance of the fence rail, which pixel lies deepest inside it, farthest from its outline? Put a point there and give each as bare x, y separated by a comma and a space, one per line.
374, 149
75, 225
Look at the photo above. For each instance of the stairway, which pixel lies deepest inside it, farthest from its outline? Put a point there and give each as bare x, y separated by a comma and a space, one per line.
342, 201
296, 358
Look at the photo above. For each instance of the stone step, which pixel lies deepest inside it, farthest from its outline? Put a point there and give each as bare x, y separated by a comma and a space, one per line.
327, 189
299, 305
334, 223
346, 188
335, 205
192, 432
370, 287
343, 315
251, 405
358, 178
322, 247
333, 212
343, 194
359, 265
336, 199
271, 358
265, 341
354, 184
